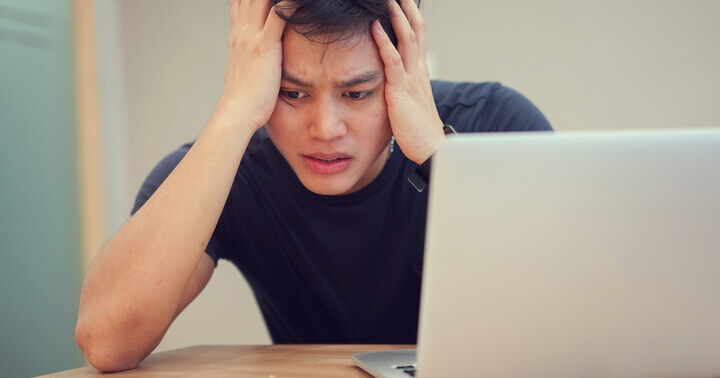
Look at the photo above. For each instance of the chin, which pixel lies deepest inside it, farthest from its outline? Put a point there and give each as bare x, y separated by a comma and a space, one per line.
329, 187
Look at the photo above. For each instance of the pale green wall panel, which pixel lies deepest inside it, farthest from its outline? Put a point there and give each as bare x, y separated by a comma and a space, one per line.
40, 258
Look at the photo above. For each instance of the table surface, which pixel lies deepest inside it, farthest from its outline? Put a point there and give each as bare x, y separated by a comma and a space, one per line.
249, 361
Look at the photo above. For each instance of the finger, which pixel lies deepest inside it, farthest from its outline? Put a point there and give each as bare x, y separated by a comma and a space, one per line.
234, 13
238, 20
394, 69
241, 10
259, 14
407, 40
275, 25
417, 23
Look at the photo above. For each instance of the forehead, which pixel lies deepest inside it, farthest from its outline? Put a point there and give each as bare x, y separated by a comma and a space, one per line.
343, 58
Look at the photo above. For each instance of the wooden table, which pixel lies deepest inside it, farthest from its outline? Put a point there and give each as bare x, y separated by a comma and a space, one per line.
248, 361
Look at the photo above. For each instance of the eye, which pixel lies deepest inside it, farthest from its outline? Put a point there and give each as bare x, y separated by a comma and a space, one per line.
358, 95
293, 95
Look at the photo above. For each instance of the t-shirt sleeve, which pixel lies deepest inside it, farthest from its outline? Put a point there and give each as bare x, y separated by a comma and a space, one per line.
153, 181
486, 107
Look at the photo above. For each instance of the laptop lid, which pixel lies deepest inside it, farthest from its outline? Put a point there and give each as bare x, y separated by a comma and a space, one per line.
573, 254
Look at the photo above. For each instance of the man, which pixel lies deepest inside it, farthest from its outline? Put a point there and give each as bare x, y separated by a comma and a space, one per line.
295, 179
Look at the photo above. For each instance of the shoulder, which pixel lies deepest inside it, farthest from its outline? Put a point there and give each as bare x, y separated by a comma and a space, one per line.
486, 107
163, 169
158, 175
255, 159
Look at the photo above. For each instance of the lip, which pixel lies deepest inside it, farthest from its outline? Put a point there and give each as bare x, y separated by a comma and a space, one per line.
323, 163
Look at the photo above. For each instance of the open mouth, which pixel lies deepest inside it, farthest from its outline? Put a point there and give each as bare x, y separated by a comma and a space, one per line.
327, 161
327, 164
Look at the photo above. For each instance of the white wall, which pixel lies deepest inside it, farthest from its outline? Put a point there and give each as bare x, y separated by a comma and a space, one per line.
611, 64
586, 64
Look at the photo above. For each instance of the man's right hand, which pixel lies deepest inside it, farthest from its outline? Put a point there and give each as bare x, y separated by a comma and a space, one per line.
155, 264
254, 68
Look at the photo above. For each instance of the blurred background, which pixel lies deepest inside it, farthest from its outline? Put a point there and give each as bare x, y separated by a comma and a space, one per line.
94, 93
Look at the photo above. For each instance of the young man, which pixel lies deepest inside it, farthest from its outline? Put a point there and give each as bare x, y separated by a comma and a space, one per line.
296, 180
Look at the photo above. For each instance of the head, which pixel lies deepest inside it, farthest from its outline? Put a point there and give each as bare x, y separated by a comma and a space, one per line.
335, 20
330, 121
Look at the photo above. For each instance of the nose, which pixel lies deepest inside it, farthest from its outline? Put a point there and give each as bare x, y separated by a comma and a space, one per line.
328, 120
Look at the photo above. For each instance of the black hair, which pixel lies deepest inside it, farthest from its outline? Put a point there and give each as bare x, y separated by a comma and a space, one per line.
328, 21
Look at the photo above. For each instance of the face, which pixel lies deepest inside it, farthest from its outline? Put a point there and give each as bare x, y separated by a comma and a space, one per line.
330, 122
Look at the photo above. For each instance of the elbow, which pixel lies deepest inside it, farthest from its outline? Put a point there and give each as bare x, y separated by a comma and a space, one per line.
103, 355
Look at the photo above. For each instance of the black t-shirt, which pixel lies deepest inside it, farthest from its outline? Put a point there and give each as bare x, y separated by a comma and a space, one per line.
341, 269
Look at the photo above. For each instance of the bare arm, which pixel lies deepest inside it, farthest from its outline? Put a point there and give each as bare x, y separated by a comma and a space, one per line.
155, 264
198, 280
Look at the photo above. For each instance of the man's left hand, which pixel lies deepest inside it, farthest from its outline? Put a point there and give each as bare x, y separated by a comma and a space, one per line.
414, 119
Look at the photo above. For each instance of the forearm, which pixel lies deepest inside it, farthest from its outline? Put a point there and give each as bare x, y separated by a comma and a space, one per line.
133, 288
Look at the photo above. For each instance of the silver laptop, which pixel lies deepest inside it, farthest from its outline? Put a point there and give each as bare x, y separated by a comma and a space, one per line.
576, 254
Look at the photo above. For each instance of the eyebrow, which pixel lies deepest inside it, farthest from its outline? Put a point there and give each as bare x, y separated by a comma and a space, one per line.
362, 78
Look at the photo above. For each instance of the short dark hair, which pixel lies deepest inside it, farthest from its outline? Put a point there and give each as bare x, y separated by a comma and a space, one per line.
338, 20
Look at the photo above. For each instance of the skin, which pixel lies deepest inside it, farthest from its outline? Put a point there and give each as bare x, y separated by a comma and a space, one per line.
411, 108
155, 264
316, 113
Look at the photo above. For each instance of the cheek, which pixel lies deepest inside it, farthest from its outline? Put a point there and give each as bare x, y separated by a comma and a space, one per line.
380, 104
283, 122
375, 118
381, 114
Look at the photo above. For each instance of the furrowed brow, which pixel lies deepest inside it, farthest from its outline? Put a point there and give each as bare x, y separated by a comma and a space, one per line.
363, 78
294, 80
